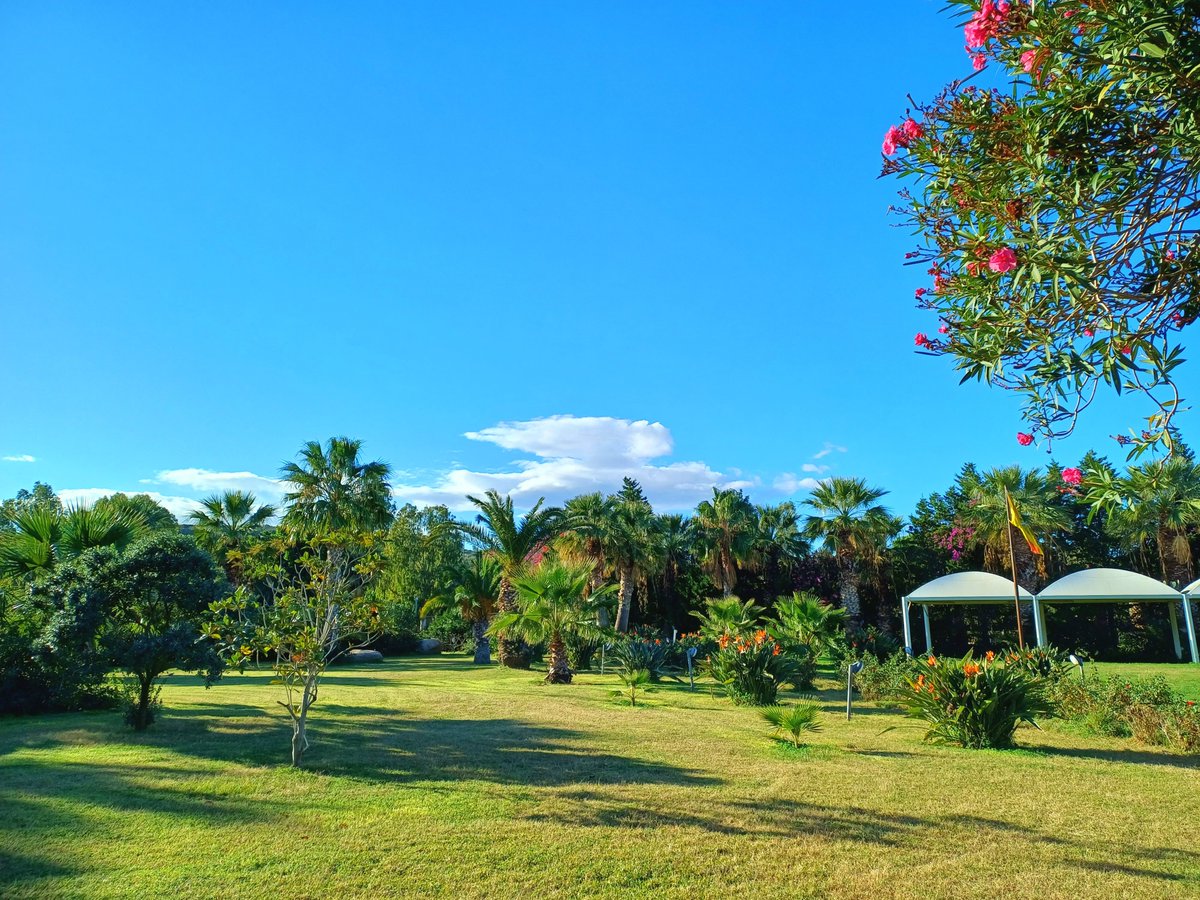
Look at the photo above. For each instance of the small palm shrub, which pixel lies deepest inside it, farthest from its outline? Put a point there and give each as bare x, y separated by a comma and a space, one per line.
751, 669
582, 650
807, 626
633, 682
887, 679
651, 654
792, 723
975, 703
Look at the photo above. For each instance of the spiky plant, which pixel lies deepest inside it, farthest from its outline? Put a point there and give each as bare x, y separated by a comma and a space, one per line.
792, 723
633, 681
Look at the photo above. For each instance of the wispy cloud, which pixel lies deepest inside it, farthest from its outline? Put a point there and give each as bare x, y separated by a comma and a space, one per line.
791, 483
208, 482
568, 455
814, 469
23, 457
827, 449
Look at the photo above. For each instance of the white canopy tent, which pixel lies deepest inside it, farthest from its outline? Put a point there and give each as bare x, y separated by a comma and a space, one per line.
961, 588
1115, 586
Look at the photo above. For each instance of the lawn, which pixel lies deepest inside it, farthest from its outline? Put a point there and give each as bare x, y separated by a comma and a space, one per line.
1184, 677
429, 777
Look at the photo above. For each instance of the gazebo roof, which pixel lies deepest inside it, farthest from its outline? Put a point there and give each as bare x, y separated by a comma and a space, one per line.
1193, 588
1107, 586
967, 587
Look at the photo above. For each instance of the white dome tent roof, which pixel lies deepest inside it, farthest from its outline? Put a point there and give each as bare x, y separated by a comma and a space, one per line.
967, 587
1107, 586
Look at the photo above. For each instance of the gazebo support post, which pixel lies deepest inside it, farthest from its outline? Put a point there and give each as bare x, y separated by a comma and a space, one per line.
1190, 625
928, 633
1039, 624
1175, 631
904, 610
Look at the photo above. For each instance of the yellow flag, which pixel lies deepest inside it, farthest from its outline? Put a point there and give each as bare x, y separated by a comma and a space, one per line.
1014, 516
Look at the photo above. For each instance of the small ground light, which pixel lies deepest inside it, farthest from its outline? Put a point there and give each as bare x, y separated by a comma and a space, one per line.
1076, 661
853, 669
691, 654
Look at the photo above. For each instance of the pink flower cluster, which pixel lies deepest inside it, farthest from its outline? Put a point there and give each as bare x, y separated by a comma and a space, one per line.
1003, 260
922, 340
1024, 439
1072, 477
985, 24
902, 135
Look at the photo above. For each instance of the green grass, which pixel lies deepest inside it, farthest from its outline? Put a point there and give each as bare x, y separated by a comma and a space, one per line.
1184, 677
429, 777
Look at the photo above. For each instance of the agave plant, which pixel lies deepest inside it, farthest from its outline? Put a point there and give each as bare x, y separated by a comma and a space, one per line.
792, 723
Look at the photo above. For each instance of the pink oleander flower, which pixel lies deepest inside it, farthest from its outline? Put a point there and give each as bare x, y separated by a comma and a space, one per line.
912, 129
1024, 439
972, 268
1170, 254
921, 292
921, 340
1072, 476
1003, 260
978, 62
1087, 332
893, 139
943, 329
1029, 60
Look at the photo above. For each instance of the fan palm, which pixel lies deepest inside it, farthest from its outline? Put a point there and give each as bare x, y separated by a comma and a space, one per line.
551, 604
587, 520
42, 536
725, 529
987, 511
848, 519
630, 547
228, 523
728, 616
497, 529
778, 541
333, 490
474, 589
804, 619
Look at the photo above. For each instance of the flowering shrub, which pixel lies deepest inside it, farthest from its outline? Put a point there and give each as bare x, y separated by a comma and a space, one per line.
862, 643
1018, 191
751, 668
887, 679
1147, 709
1044, 662
975, 703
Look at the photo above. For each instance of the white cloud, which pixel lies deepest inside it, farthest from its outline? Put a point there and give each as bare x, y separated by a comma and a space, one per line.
789, 483
573, 455
24, 457
267, 490
179, 506
827, 449
814, 469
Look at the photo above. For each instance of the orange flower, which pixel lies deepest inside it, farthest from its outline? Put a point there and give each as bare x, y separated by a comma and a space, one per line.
775, 650
991, 655
932, 660
723, 641
971, 670
920, 682
760, 636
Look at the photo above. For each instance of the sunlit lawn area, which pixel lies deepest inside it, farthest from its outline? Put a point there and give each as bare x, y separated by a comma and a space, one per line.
430, 777
1184, 677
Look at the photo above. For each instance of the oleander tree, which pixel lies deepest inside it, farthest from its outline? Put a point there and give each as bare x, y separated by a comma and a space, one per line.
1055, 195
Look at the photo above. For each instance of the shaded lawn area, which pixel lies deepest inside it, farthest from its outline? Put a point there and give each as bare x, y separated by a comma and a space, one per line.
429, 777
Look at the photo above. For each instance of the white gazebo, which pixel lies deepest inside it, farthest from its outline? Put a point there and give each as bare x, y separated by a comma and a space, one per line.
961, 589
1116, 586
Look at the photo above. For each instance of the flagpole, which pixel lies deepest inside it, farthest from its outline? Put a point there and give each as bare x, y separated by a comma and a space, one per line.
1012, 561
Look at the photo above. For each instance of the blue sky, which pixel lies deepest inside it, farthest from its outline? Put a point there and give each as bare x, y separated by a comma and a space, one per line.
530, 246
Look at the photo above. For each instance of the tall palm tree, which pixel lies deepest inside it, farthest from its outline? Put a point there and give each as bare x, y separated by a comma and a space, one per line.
42, 536
551, 604
725, 527
630, 545
474, 588
498, 530
228, 523
587, 521
778, 541
673, 545
1157, 502
987, 511
333, 490
847, 519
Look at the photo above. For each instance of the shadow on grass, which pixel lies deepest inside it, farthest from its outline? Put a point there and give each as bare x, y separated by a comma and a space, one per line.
1137, 757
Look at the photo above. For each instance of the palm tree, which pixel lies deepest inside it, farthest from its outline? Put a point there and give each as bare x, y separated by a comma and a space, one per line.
496, 529
1156, 502
587, 520
987, 511
334, 491
474, 589
729, 616
42, 536
725, 528
228, 524
847, 518
630, 544
551, 604
804, 619
778, 541
673, 544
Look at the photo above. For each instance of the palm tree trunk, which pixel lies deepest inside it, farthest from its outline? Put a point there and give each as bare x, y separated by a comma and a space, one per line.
848, 590
625, 593
513, 653
483, 647
559, 669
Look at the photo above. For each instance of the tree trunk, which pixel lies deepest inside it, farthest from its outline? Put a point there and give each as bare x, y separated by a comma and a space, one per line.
848, 590
559, 670
625, 592
512, 652
141, 716
483, 647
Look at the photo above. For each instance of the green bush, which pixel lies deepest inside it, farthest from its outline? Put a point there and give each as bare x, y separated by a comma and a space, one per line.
975, 703
401, 629
1147, 709
751, 669
886, 680
862, 644
1046, 662
582, 650
652, 654
451, 629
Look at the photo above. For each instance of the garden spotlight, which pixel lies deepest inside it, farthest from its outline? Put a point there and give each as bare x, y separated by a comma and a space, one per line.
853, 669
1076, 661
